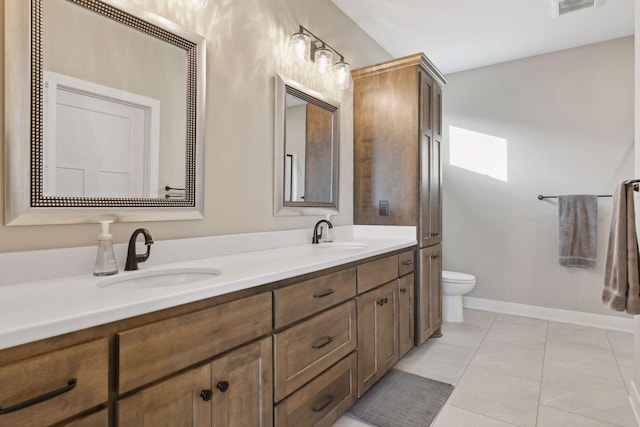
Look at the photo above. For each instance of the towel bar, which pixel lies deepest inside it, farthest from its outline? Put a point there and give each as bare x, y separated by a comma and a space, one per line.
540, 196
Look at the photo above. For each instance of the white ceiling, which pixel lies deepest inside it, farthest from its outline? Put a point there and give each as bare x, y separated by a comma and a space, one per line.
463, 34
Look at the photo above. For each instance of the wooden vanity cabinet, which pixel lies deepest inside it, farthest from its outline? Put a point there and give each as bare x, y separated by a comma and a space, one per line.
232, 390
377, 334
314, 349
293, 353
385, 315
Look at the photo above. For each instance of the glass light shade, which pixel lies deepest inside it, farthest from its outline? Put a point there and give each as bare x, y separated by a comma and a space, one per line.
343, 77
301, 46
324, 60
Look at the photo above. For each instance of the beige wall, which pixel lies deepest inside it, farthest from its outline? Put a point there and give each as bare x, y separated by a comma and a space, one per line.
568, 121
246, 46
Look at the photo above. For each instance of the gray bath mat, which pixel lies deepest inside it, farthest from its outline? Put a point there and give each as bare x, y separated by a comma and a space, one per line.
401, 399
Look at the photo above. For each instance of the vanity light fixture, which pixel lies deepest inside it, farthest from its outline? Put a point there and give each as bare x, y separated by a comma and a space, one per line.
309, 47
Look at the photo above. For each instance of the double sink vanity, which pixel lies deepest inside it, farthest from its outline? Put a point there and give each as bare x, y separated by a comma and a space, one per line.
288, 335
256, 330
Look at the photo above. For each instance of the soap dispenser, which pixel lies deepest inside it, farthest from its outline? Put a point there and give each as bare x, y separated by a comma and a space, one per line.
105, 260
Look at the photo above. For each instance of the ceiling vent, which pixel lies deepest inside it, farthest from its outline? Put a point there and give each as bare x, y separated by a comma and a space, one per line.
563, 7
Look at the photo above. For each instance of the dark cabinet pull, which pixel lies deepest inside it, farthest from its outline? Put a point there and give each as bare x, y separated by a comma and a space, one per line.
206, 395
434, 256
325, 404
403, 290
222, 386
322, 295
409, 262
386, 300
34, 400
327, 341
435, 234
380, 302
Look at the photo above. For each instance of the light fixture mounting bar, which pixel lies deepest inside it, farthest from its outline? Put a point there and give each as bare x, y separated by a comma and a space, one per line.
303, 30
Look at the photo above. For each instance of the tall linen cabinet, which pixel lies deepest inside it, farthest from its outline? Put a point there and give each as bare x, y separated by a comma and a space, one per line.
397, 166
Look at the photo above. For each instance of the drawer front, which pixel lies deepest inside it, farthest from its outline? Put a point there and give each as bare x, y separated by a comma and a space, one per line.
307, 349
161, 348
87, 363
376, 273
406, 263
303, 299
322, 401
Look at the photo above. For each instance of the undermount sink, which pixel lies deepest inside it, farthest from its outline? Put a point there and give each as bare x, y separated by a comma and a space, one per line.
158, 278
343, 245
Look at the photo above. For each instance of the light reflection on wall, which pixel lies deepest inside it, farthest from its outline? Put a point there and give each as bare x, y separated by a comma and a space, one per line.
478, 152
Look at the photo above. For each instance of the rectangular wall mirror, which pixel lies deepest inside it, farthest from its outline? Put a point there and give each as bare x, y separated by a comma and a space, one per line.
104, 114
306, 151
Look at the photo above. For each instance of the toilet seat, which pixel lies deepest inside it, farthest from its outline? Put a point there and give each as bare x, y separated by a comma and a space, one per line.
455, 277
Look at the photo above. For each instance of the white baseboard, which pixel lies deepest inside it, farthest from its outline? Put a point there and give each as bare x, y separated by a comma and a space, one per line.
634, 399
554, 314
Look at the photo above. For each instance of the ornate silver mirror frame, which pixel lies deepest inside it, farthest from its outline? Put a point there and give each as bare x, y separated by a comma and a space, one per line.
25, 203
285, 205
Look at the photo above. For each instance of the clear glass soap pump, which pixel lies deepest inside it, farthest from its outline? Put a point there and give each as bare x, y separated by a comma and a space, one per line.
105, 260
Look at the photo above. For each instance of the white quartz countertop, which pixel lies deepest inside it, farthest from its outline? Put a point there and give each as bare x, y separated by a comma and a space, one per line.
41, 309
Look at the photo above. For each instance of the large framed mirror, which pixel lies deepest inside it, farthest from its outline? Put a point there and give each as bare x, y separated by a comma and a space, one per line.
104, 114
307, 130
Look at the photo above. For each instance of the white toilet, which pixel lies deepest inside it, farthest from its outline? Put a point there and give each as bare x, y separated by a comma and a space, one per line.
454, 285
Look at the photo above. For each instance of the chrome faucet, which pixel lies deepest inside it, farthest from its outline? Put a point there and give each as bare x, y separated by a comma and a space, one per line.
132, 258
317, 233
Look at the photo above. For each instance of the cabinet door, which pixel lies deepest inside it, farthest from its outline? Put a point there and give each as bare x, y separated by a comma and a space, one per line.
387, 326
435, 172
367, 342
429, 305
243, 386
427, 235
406, 320
180, 401
435, 290
377, 334
385, 132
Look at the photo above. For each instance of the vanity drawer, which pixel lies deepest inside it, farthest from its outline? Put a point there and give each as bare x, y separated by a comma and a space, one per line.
307, 349
85, 365
406, 263
303, 299
323, 400
161, 348
376, 273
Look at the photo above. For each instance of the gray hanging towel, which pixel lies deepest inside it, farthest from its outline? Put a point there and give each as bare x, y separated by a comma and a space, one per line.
621, 285
577, 231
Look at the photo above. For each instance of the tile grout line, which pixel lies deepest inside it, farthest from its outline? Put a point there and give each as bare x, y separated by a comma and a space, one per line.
544, 356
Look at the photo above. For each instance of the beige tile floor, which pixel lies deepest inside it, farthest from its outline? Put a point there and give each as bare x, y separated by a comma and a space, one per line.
516, 371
